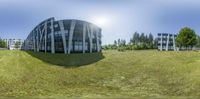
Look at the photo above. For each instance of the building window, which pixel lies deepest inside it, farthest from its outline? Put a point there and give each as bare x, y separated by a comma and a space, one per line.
56, 25
86, 46
66, 33
78, 46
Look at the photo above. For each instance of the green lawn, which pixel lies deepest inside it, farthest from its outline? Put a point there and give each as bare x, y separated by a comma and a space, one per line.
110, 74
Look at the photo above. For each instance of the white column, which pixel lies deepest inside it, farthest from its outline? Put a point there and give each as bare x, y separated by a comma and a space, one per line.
167, 45
45, 37
84, 32
63, 36
33, 35
73, 23
90, 37
100, 40
161, 43
40, 39
174, 44
41, 36
7, 43
52, 37
97, 36
37, 39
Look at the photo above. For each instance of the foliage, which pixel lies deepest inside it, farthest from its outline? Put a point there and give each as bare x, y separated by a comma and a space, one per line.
142, 41
119, 45
198, 41
137, 42
121, 48
2, 44
109, 46
17, 44
136, 38
186, 37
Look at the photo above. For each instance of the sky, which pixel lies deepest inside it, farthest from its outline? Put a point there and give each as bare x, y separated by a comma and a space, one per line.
121, 18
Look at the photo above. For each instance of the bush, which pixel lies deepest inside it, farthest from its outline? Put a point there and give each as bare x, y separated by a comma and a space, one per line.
121, 48
2, 44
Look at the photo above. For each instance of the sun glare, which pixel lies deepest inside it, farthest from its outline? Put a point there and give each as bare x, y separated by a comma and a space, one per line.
101, 21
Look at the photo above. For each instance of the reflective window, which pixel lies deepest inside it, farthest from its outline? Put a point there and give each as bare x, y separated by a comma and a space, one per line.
86, 46
78, 46
67, 24
58, 42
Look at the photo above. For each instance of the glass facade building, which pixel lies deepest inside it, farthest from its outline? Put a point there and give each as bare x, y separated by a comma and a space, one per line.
64, 36
166, 42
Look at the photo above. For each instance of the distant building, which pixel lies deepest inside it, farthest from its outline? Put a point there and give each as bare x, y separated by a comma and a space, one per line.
11, 43
166, 42
64, 36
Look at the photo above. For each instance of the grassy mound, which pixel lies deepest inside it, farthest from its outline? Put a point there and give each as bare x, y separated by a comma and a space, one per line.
110, 74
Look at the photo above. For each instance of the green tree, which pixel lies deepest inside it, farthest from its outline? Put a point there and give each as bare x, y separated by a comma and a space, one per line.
155, 43
151, 38
118, 42
146, 40
2, 44
186, 38
198, 41
115, 44
141, 41
17, 44
150, 42
135, 39
142, 38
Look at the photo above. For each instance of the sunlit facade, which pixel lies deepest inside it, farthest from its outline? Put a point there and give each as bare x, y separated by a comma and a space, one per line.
166, 42
13, 44
64, 36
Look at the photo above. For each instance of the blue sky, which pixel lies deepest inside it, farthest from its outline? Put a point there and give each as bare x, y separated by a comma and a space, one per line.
19, 17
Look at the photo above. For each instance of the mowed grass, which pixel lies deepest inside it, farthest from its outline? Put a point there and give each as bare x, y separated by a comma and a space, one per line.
110, 74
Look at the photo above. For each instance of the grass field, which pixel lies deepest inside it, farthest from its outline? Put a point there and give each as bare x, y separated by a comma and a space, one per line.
110, 74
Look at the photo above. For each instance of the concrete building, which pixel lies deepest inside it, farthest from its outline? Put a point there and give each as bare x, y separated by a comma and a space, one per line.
64, 36
166, 42
11, 43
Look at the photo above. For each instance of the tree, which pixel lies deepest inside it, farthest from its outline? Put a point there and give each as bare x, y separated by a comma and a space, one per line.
115, 42
155, 43
198, 41
118, 42
146, 40
186, 38
151, 38
123, 42
150, 41
141, 41
135, 39
137, 42
142, 38
2, 44
17, 44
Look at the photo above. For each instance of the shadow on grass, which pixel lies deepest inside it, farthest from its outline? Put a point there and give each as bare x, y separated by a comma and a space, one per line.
68, 60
